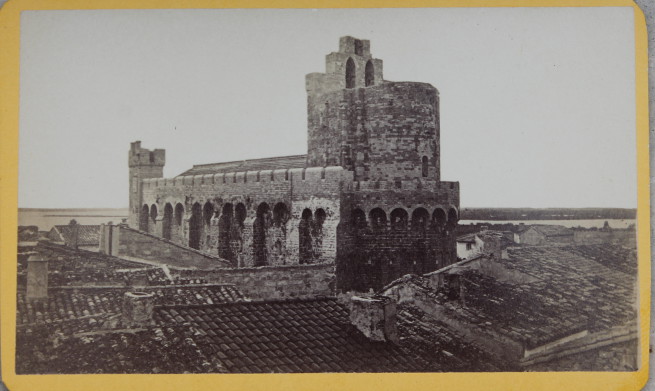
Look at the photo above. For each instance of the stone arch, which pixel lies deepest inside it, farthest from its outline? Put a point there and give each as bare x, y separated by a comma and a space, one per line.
420, 219
358, 218
378, 218
144, 219
207, 212
195, 226
179, 214
320, 217
439, 218
350, 73
424, 166
167, 221
369, 74
280, 214
259, 228
305, 236
317, 233
452, 217
224, 230
240, 213
399, 217
153, 213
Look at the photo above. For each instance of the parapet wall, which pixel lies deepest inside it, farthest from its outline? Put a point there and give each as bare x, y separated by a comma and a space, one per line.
273, 282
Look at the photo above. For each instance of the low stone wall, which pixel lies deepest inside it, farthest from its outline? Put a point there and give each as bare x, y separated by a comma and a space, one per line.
133, 243
273, 282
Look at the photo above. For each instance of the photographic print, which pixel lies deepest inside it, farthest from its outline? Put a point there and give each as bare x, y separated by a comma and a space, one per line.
284, 191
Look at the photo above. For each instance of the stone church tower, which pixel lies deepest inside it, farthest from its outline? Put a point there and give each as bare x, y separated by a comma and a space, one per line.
367, 197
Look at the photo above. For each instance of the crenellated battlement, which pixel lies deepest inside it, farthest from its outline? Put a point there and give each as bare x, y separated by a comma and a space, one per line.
144, 157
309, 174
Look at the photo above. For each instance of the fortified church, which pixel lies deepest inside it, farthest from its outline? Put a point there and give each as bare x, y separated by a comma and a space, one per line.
367, 197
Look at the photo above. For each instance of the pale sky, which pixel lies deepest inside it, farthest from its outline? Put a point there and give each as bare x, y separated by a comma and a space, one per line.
537, 104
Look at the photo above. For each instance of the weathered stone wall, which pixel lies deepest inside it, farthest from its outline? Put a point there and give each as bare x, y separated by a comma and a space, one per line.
273, 282
251, 218
138, 244
389, 233
143, 163
381, 132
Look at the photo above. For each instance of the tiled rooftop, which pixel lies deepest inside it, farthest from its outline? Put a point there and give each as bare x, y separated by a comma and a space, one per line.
289, 336
276, 163
448, 349
152, 350
87, 235
67, 304
549, 230
613, 256
568, 293
73, 267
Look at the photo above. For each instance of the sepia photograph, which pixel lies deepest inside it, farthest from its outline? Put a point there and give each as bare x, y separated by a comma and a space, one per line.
408, 190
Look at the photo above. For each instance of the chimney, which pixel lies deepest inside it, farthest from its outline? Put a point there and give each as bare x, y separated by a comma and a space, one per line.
375, 317
74, 234
37, 277
137, 309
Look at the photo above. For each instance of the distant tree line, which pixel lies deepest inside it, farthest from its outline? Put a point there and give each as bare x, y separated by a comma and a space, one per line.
546, 213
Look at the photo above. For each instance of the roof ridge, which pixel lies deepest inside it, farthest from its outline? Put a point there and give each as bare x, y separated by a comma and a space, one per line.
250, 160
250, 302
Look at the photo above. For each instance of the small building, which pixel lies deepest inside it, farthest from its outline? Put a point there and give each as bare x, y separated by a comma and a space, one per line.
476, 243
538, 235
76, 235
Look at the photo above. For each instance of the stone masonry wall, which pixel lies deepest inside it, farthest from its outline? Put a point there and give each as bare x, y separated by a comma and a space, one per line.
381, 132
250, 218
273, 282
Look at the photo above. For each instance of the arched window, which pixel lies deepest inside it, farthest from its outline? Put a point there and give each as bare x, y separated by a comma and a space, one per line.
225, 231
167, 222
452, 217
179, 214
305, 237
280, 214
424, 166
358, 218
153, 213
369, 74
399, 219
144, 218
240, 213
320, 217
439, 218
350, 73
195, 226
420, 219
378, 218
208, 212
259, 234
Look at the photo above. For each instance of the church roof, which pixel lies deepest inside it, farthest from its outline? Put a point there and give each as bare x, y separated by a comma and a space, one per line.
270, 163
